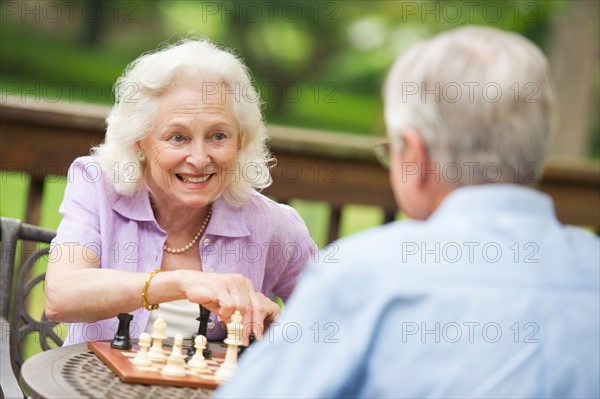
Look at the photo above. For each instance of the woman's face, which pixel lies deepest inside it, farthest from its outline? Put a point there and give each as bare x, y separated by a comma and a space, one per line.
191, 148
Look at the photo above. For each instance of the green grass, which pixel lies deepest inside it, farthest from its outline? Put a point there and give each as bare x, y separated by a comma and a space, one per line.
13, 191
326, 106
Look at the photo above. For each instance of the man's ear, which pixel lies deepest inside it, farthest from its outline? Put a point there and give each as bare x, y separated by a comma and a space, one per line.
415, 151
412, 145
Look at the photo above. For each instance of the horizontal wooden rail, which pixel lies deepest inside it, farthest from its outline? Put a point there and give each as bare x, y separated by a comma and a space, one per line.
42, 139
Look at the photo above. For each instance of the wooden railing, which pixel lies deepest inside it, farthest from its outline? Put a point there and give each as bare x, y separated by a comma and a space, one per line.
43, 139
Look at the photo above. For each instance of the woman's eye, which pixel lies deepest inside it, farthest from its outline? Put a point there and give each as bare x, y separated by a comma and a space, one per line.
178, 138
220, 136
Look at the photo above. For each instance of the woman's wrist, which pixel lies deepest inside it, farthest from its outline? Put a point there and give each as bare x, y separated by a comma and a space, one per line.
145, 303
166, 286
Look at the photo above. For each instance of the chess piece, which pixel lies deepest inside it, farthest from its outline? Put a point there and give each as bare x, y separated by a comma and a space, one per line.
122, 339
191, 350
141, 358
175, 362
197, 362
156, 353
233, 341
204, 318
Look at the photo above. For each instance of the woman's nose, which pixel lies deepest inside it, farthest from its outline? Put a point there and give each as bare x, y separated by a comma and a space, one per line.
198, 154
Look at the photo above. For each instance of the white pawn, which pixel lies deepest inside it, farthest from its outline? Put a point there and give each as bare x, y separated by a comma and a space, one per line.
156, 353
176, 361
197, 361
141, 358
233, 341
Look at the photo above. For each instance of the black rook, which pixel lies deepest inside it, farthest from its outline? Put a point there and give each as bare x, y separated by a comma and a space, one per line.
122, 339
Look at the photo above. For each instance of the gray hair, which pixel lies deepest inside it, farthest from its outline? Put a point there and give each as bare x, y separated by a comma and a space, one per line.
137, 94
478, 97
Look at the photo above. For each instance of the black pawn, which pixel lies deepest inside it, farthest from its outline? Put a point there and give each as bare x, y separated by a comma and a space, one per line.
191, 350
122, 339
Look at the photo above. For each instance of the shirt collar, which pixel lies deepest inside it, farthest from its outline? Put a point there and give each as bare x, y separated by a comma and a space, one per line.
501, 199
135, 207
226, 220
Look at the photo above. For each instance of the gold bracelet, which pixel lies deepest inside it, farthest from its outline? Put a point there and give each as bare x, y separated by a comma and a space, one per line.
147, 306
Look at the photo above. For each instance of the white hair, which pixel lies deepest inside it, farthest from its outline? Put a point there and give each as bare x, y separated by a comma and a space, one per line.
478, 97
138, 93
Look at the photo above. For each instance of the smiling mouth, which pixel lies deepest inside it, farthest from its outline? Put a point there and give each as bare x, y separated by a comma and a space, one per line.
189, 179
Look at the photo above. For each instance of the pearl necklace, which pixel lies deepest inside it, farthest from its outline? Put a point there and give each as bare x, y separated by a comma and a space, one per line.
191, 244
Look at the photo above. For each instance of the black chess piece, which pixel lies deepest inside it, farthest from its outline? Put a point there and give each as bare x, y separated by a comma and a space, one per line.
251, 340
203, 318
122, 338
191, 350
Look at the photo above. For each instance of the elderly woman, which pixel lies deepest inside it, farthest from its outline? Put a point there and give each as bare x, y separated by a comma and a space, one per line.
166, 210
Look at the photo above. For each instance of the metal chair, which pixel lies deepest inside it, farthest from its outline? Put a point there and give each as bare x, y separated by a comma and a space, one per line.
16, 321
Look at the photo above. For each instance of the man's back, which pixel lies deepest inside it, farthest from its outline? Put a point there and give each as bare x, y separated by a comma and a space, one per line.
490, 297
500, 301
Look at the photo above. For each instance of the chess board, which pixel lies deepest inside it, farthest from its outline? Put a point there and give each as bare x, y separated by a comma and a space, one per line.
119, 361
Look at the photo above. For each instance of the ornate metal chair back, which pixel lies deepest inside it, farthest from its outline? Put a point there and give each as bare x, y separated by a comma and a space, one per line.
25, 250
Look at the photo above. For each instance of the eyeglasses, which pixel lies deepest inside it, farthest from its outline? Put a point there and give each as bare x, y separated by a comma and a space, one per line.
382, 153
384, 149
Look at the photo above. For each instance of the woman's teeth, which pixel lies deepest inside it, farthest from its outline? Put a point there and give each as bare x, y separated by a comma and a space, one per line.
189, 179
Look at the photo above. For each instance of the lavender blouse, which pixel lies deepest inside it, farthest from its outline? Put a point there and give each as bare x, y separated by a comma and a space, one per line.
264, 241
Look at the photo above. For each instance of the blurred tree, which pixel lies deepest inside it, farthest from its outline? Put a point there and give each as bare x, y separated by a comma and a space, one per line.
95, 21
574, 54
283, 47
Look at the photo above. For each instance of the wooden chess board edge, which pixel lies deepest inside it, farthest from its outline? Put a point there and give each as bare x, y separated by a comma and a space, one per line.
127, 372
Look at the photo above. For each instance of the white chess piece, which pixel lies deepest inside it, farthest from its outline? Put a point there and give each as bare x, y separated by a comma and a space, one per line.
233, 341
141, 358
197, 361
156, 353
176, 361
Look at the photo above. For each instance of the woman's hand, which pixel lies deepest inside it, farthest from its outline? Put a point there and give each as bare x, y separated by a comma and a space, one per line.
265, 311
223, 294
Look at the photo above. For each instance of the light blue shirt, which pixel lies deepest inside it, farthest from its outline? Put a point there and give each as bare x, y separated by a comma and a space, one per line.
490, 297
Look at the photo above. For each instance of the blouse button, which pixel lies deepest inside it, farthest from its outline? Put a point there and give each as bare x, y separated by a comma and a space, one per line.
206, 242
